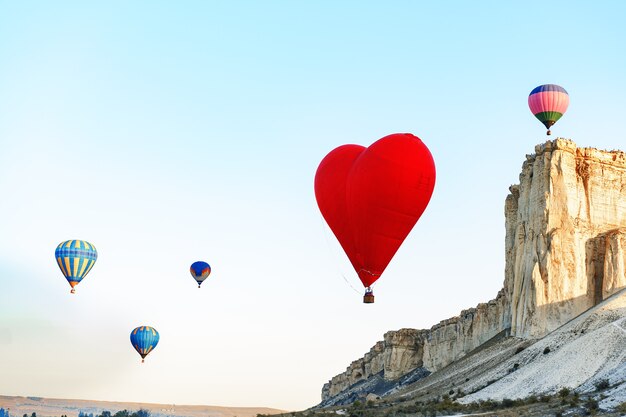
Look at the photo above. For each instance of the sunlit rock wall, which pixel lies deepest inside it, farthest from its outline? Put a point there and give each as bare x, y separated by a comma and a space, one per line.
564, 245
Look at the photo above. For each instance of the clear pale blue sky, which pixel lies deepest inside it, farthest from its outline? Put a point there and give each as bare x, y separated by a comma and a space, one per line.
168, 132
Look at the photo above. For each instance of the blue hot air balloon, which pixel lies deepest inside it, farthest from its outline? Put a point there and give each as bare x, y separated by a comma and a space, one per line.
144, 340
75, 258
200, 271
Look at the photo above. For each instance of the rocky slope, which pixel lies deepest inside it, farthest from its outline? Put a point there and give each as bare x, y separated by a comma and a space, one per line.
577, 355
564, 247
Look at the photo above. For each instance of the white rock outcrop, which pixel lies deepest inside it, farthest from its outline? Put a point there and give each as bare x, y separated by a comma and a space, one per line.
564, 247
564, 237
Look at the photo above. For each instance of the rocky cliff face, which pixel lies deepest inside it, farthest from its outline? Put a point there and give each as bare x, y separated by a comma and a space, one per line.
565, 239
565, 233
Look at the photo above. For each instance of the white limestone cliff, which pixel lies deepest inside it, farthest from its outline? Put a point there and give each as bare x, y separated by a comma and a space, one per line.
564, 237
564, 247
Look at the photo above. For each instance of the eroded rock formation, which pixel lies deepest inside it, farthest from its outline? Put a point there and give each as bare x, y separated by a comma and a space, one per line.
564, 247
565, 233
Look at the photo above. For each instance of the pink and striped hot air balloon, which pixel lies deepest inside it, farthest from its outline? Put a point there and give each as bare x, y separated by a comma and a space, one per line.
548, 102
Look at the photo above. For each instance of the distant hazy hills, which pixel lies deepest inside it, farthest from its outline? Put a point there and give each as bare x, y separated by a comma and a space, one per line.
45, 407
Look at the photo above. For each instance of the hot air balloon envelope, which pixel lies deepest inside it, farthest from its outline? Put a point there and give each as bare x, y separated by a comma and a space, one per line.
200, 271
144, 339
372, 197
548, 103
75, 259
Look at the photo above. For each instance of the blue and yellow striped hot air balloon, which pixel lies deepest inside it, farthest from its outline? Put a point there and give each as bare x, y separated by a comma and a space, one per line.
144, 340
200, 271
75, 258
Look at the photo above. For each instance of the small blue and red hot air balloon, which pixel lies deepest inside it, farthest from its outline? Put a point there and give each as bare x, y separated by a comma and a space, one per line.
548, 103
200, 271
144, 339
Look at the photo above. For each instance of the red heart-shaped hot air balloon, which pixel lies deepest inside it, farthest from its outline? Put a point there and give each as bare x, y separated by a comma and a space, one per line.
372, 197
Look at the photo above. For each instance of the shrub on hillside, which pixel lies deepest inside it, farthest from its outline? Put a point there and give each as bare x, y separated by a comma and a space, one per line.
592, 406
621, 408
507, 402
532, 399
602, 384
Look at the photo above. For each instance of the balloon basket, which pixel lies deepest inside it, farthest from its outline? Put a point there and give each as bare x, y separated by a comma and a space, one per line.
368, 298
72, 291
